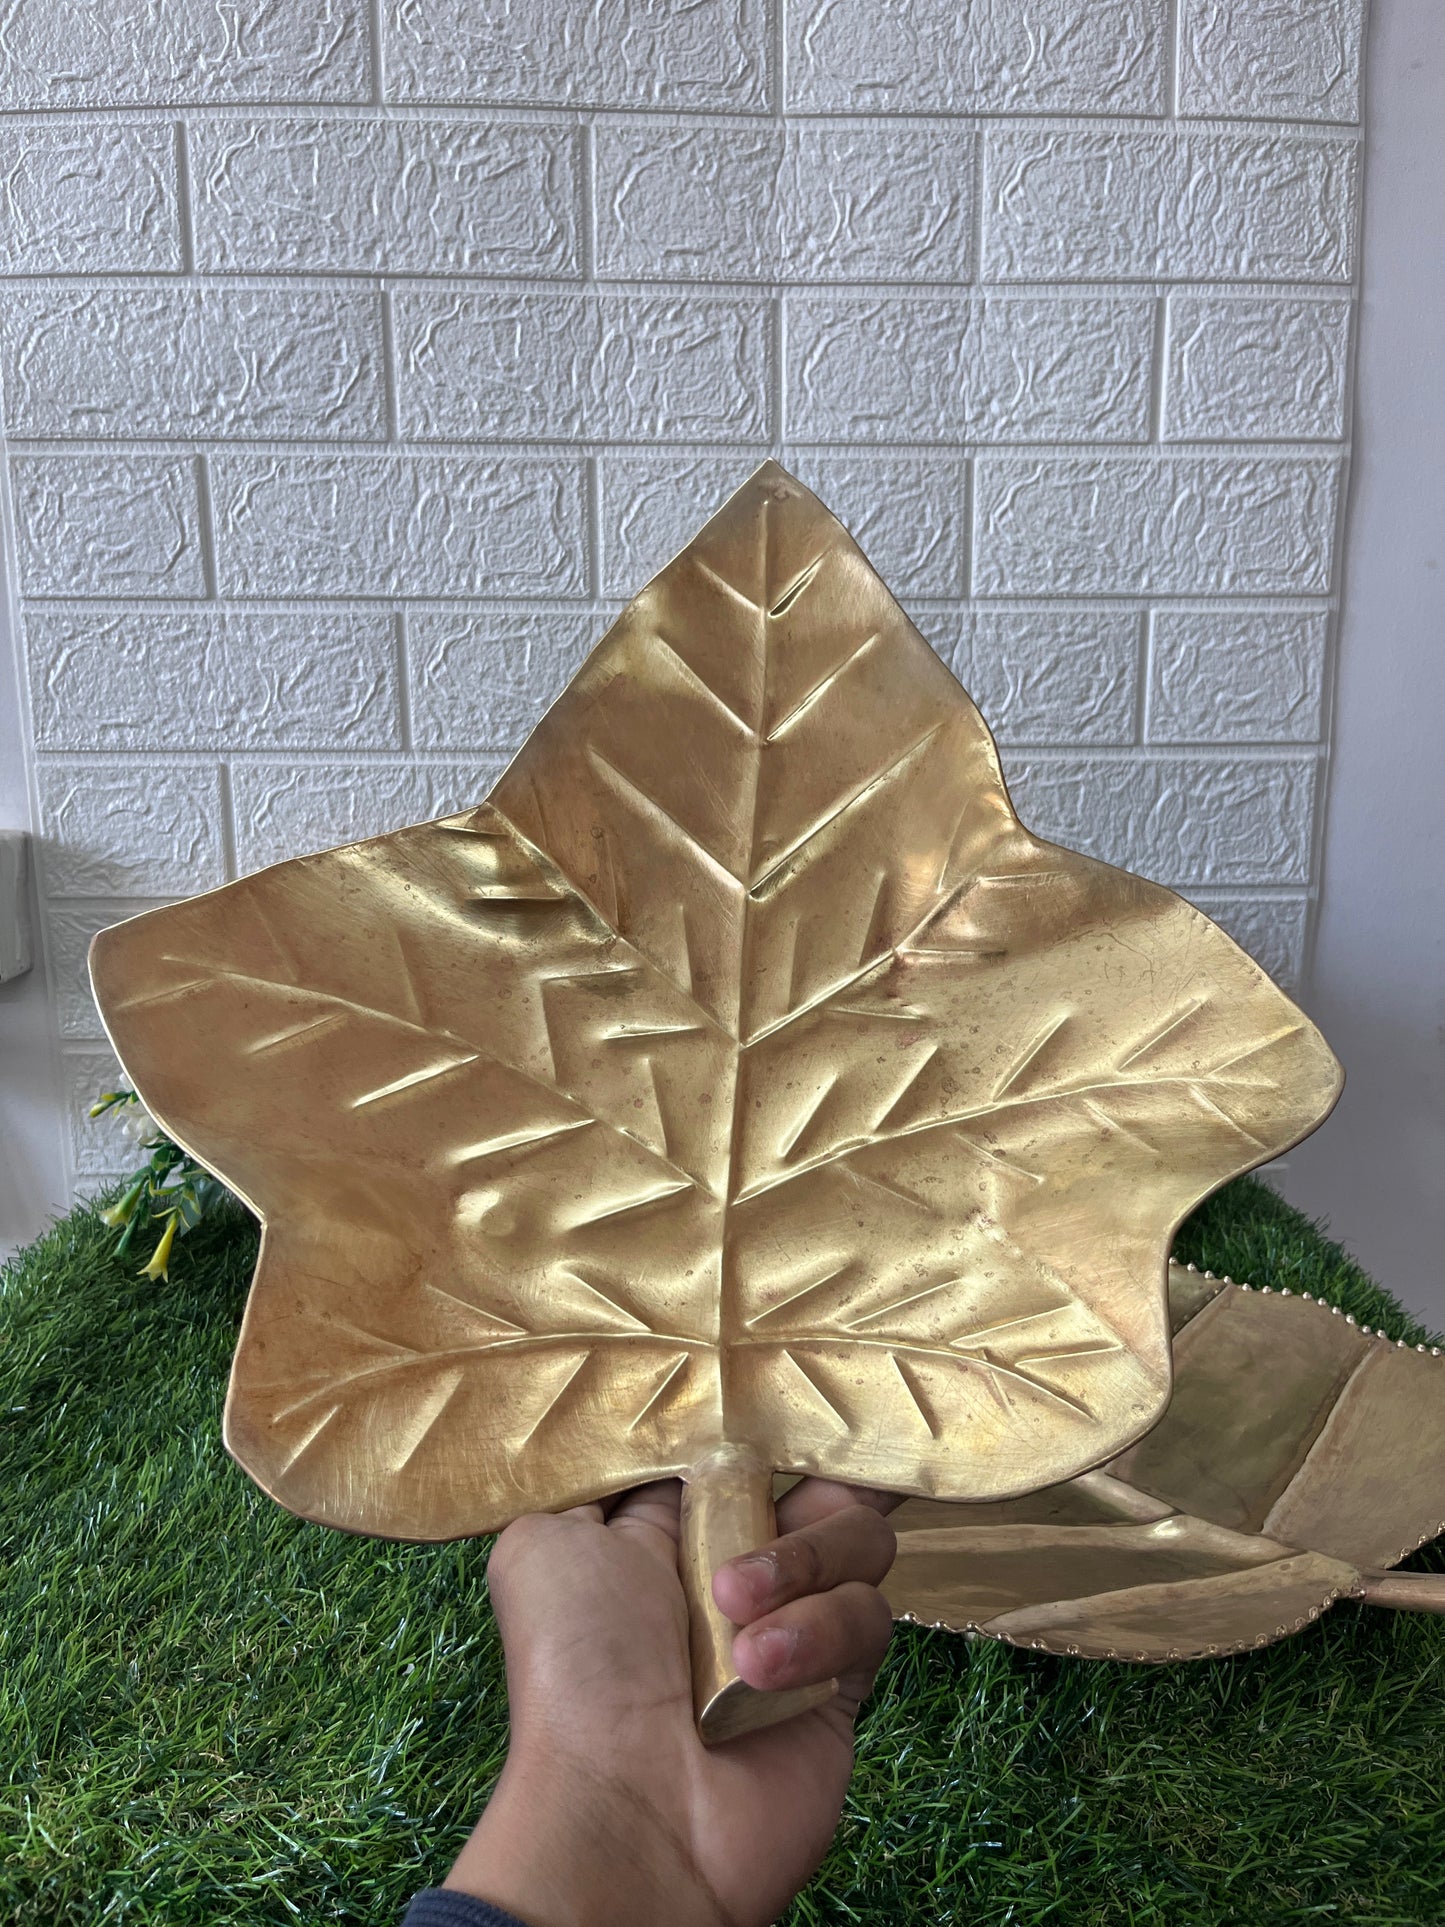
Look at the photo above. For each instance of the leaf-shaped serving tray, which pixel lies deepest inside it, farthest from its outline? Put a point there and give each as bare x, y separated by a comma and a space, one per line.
1300, 1457
740, 1089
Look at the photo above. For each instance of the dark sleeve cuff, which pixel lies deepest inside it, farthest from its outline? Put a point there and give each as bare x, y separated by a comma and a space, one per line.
438, 1907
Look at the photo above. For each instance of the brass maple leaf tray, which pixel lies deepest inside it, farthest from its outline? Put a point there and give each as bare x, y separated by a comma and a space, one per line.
740, 1088
1300, 1457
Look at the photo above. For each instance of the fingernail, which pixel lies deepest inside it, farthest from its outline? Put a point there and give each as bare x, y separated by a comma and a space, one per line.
759, 1572
775, 1646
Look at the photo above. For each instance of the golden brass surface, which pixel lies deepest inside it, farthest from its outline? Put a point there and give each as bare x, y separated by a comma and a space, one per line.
741, 1074
1298, 1456
727, 1509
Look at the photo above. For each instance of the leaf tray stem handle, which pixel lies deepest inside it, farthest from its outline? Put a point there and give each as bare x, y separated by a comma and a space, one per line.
727, 1510
1418, 1592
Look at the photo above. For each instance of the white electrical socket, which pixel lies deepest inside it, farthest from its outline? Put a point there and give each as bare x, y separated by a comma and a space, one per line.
16, 948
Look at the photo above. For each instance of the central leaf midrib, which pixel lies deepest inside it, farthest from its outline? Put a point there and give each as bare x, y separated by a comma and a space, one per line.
728, 1321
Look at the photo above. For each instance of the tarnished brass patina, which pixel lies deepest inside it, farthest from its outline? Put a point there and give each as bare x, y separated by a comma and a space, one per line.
741, 1083
1299, 1458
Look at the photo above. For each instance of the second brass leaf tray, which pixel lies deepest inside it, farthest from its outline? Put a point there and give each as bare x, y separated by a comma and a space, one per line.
1300, 1457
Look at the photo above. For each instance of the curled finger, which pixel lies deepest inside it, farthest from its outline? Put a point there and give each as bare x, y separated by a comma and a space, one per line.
813, 1499
650, 1514
856, 1543
841, 1634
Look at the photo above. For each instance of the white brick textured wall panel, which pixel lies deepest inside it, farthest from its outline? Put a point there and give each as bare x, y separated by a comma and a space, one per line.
1246, 368
989, 57
85, 199
875, 201
70, 927
1142, 525
399, 197
1053, 676
1275, 59
165, 680
1239, 676
130, 829
137, 53
1121, 204
1183, 821
98, 1147
909, 513
669, 53
107, 524
159, 362
561, 366
358, 348
377, 525
991, 369
482, 680
651, 505
285, 810
1271, 928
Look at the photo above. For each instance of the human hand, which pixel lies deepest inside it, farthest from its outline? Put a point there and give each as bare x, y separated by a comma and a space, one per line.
609, 1808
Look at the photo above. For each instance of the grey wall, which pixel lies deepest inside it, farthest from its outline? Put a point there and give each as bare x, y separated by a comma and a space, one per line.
357, 362
1378, 985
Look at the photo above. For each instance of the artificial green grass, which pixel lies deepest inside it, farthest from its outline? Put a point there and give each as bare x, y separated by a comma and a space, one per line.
211, 1713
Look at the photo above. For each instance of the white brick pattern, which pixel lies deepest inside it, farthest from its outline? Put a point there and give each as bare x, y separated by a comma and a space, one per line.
990, 57
696, 54
400, 525
559, 367
394, 197
285, 809
1187, 820
1190, 204
359, 356
103, 523
1052, 676
799, 202
880, 370
83, 361
1224, 524
145, 827
481, 678
97, 1149
1247, 677
1242, 368
1295, 59
73, 53
89, 196
213, 679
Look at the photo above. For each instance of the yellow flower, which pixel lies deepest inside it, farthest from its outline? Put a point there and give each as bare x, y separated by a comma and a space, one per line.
159, 1266
123, 1210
